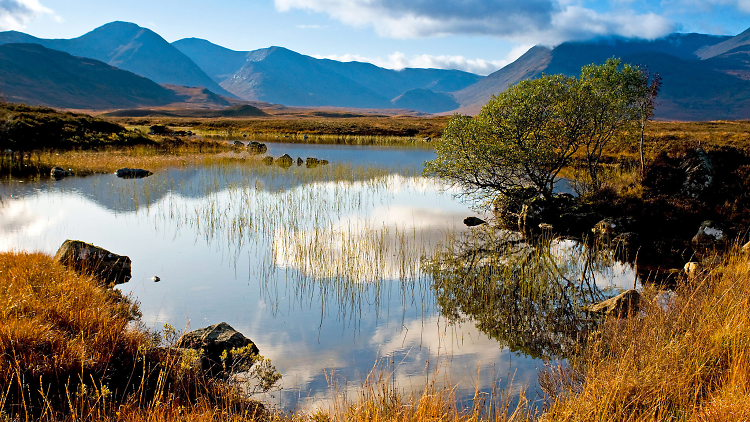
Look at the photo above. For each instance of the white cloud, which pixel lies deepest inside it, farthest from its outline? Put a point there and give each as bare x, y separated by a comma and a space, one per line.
399, 60
16, 14
532, 21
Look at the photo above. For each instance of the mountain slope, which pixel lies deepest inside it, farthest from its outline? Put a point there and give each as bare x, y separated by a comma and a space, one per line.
693, 89
422, 99
742, 39
283, 76
129, 47
37, 75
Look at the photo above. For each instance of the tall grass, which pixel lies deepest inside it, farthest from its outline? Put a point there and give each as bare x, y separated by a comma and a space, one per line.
70, 352
685, 358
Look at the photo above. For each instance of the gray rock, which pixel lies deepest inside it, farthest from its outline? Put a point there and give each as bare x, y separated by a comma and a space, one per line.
86, 258
59, 173
699, 173
128, 173
215, 341
710, 235
623, 305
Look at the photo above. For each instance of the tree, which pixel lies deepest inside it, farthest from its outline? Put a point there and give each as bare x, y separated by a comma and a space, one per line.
525, 136
515, 141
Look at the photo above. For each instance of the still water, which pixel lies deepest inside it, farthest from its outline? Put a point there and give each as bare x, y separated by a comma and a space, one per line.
322, 268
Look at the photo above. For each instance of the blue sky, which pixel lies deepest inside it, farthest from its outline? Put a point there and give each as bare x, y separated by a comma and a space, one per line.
474, 35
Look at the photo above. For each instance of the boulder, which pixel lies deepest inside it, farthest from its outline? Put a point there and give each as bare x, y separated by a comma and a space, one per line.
300, 161
312, 162
86, 258
59, 173
216, 341
285, 161
607, 229
128, 173
623, 305
267, 161
257, 148
473, 221
710, 235
699, 173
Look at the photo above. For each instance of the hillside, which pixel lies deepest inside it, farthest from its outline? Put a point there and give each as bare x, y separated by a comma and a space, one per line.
129, 47
37, 75
694, 89
426, 100
282, 76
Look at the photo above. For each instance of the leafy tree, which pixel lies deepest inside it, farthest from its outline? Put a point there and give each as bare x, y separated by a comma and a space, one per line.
525, 136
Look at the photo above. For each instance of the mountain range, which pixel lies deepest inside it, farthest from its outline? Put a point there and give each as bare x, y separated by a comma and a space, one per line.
121, 65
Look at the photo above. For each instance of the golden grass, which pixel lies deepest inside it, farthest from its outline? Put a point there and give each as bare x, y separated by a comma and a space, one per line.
690, 362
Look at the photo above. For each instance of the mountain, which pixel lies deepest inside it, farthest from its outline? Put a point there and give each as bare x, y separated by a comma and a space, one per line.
705, 77
129, 47
37, 75
425, 100
282, 76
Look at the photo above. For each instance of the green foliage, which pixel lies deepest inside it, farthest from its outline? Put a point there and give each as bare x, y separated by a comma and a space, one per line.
528, 134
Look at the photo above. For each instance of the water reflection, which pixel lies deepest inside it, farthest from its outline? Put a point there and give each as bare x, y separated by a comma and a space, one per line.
320, 267
529, 295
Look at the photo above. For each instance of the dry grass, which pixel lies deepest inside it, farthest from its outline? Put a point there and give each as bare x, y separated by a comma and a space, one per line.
71, 353
687, 361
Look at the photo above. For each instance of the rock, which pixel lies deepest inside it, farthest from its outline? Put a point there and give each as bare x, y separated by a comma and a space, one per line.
300, 161
427, 139
304, 137
215, 340
474, 221
577, 223
238, 144
323, 162
257, 148
155, 279
699, 173
311, 162
285, 161
746, 247
267, 161
623, 305
607, 229
86, 258
710, 235
128, 173
59, 173
692, 268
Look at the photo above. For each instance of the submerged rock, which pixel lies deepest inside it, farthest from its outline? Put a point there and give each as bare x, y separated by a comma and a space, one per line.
623, 305
59, 173
217, 341
89, 259
128, 173
474, 221
267, 161
285, 161
257, 148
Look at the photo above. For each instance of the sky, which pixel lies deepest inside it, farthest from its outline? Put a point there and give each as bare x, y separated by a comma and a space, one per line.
478, 36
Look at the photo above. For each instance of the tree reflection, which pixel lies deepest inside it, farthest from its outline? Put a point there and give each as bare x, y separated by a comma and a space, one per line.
528, 295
